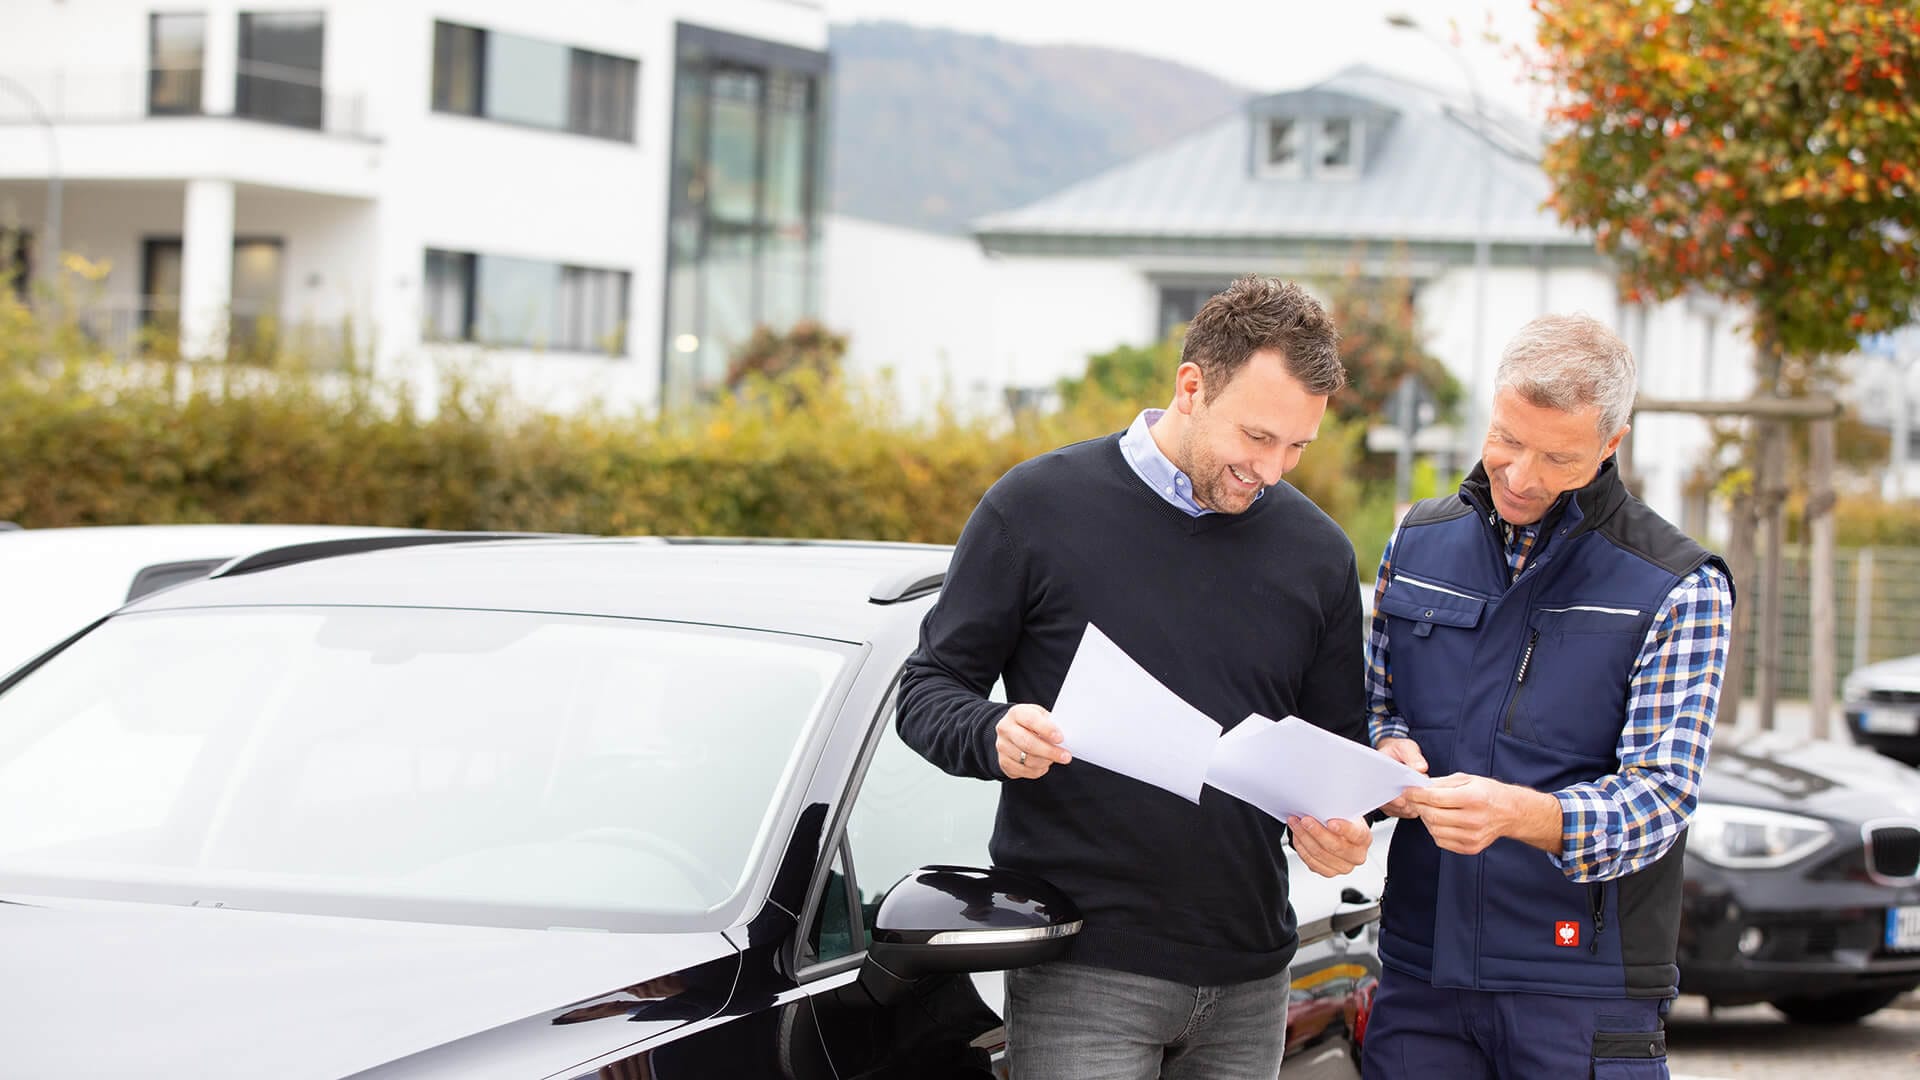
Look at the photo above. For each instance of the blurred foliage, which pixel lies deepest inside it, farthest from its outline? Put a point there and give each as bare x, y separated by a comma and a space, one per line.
1863, 521
90, 441
1763, 151
771, 354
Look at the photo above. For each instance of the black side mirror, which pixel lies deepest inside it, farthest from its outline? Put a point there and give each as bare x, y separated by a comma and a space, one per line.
957, 919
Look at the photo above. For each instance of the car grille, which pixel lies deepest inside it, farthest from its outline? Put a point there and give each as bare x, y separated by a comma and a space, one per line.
1894, 697
1893, 852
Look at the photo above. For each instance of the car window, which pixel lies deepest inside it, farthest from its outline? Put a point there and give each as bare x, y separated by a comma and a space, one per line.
540, 763
909, 814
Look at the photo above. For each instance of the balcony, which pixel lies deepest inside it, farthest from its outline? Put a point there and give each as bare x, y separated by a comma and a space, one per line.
267, 93
283, 129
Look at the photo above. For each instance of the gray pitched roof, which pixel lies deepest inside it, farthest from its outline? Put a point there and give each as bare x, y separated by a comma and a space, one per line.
1421, 183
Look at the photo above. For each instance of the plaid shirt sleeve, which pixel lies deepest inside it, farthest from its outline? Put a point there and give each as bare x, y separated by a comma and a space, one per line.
1382, 721
1623, 822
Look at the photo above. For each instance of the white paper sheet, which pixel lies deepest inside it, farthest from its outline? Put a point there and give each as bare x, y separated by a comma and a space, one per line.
1292, 768
1116, 715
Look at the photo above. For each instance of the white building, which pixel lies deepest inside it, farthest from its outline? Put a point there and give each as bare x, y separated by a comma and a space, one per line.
591, 198
1364, 170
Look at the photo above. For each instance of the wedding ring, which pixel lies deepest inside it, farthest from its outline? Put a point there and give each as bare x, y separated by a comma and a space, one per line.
1023, 757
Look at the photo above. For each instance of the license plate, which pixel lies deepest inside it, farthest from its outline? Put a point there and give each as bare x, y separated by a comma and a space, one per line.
1890, 722
1903, 927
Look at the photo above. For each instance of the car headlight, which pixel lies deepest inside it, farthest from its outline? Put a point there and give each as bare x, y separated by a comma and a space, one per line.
1746, 836
1853, 689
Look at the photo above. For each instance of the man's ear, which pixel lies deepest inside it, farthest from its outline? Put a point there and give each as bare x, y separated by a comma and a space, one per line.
1613, 444
1189, 387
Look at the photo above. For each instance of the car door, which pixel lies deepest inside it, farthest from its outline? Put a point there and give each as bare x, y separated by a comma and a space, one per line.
905, 814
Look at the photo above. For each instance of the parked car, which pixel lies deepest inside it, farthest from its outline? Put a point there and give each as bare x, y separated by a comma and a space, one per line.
1883, 708
1803, 880
527, 808
56, 581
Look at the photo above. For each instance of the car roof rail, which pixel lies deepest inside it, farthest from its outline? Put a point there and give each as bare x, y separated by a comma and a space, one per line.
291, 554
909, 585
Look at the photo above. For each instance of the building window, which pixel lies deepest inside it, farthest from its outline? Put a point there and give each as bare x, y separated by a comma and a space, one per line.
279, 78
459, 56
507, 302
1282, 151
743, 244
254, 296
176, 60
542, 84
16, 263
602, 95
1337, 153
448, 296
1180, 303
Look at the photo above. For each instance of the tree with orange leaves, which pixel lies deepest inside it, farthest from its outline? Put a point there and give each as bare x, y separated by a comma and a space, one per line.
1763, 151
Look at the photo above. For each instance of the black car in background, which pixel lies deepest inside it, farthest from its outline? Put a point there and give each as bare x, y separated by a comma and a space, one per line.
553, 808
1803, 880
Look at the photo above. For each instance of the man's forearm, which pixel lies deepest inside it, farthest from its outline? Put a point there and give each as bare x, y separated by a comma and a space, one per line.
1534, 819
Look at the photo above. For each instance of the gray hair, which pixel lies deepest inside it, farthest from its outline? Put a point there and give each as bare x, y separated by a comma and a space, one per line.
1570, 363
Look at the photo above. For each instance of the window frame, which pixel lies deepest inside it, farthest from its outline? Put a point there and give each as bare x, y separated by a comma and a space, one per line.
601, 89
1356, 147
197, 106
244, 86
1295, 167
803, 962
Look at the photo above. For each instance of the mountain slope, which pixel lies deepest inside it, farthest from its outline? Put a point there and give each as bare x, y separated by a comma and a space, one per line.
932, 128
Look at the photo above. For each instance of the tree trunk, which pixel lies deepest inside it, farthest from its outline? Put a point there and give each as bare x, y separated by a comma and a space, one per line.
1820, 526
1772, 484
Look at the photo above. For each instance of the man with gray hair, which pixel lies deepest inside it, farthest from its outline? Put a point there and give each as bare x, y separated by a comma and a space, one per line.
1551, 651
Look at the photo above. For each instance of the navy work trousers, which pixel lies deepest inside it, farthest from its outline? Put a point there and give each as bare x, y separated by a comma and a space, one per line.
1418, 1031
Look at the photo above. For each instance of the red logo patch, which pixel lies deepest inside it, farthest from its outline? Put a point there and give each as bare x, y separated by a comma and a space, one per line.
1566, 934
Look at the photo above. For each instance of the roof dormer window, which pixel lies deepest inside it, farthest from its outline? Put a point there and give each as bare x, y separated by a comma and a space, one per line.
1336, 152
1308, 146
1283, 154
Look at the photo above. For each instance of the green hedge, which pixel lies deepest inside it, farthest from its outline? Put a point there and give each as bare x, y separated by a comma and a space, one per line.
86, 442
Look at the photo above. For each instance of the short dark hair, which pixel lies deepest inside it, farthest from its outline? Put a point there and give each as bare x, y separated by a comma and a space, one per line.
1256, 313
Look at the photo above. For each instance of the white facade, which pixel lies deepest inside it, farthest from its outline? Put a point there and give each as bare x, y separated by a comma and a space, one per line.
356, 201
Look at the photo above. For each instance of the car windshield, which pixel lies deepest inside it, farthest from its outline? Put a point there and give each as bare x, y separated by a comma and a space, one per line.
492, 767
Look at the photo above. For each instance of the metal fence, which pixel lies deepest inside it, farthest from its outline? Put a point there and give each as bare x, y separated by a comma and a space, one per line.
1878, 592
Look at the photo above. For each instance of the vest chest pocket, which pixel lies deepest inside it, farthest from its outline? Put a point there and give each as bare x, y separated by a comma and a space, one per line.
1571, 686
1429, 604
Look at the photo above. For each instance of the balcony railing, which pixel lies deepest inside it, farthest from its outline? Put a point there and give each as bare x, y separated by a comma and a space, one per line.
271, 93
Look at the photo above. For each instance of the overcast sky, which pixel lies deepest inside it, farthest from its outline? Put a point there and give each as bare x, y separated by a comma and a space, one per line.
1262, 44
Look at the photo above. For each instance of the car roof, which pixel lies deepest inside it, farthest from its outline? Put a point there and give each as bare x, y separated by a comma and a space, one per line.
817, 588
56, 581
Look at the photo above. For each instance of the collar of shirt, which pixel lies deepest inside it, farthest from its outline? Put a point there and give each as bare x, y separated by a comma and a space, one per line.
1155, 469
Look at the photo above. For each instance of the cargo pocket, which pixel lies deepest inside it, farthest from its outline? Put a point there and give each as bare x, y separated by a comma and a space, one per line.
1630, 1055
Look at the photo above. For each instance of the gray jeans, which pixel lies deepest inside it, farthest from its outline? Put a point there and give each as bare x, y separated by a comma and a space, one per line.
1071, 1022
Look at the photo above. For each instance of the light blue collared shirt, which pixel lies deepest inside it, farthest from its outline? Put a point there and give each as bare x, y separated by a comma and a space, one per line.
1155, 469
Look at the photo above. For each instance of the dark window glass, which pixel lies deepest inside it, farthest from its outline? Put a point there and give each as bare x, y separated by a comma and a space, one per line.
832, 933
448, 300
176, 57
16, 262
280, 67
601, 95
459, 57
256, 293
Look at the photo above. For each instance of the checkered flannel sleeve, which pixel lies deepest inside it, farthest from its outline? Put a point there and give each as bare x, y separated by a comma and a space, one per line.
1382, 721
1623, 822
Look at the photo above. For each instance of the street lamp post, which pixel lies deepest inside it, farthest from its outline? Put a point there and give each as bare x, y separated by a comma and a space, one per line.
52, 238
1478, 394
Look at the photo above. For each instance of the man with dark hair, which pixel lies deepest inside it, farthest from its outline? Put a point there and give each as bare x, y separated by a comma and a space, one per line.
1178, 540
1555, 648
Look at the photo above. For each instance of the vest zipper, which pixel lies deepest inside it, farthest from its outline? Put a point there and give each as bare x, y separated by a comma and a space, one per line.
1599, 894
1519, 680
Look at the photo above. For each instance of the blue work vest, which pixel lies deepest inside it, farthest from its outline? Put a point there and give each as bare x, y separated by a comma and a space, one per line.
1526, 681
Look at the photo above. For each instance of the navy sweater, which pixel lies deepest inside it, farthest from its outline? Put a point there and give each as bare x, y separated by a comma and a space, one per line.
1236, 613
